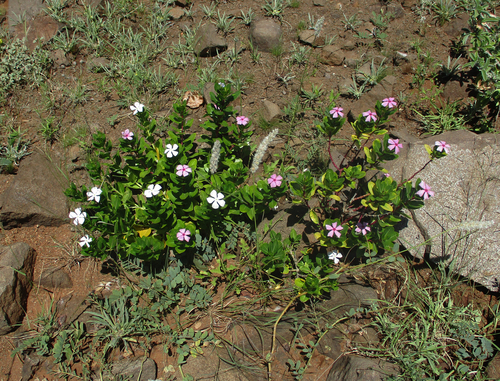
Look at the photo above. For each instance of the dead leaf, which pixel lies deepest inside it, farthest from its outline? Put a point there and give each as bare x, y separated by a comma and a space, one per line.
193, 98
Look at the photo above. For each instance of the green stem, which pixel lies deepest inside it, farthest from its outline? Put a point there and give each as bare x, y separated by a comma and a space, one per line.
275, 328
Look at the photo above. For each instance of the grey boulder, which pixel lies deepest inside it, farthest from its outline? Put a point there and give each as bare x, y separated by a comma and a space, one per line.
460, 222
17, 263
36, 196
265, 34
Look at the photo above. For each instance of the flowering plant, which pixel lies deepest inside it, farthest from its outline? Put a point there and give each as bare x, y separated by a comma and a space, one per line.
356, 213
151, 196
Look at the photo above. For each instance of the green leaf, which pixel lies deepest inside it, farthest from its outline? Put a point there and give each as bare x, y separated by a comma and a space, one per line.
371, 184
299, 282
4, 161
115, 202
387, 207
369, 157
428, 149
58, 349
304, 298
127, 195
314, 217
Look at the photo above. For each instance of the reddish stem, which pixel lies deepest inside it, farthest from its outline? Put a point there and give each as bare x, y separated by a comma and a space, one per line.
330, 153
420, 170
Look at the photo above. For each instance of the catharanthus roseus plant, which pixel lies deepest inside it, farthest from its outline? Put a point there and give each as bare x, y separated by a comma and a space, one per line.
482, 38
356, 212
150, 197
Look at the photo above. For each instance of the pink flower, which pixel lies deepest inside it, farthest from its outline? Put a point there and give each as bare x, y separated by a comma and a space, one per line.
275, 180
370, 116
362, 227
242, 120
183, 170
127, 134
394, 145
389, 102
215, 106
442, 146
336, 112
387, 174
334, 229
425, 192
183, 235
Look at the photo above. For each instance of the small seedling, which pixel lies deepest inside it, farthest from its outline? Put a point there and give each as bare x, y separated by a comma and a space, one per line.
275, 8
381, 20
49, 130
254, 52
284, 79
351, 23
223, 23
112, 120
14, 151
444, 11
355, 90
64, 42
312, 96
232, 55
316, 25
300, 54
247, 18
450, 70
376, 75
54, 8
209, 11
278, 50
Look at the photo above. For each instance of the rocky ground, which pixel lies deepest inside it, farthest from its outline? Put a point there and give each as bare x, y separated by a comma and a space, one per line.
287, 67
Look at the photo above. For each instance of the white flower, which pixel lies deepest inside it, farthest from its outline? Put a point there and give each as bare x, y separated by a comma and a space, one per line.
85, 240
94, 194
335, 256
171, 150
216, 199
78, 215
137, 107
152, 190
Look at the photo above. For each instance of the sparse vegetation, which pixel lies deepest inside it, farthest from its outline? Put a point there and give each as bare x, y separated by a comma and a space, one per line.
184, 170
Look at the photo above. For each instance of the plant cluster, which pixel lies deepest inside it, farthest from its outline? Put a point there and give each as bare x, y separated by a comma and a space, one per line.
429, 336
364, 80
151, 197
355, 213
188, 199
484, 53
14, 151
19, 67
122, 320
275, 8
